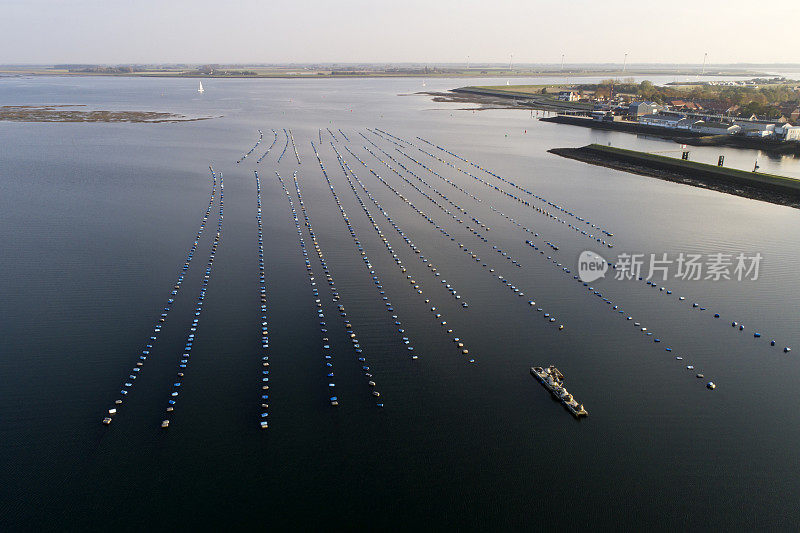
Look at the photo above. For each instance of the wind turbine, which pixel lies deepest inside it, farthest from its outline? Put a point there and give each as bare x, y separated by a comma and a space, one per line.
562, 62
625, 62
705, 56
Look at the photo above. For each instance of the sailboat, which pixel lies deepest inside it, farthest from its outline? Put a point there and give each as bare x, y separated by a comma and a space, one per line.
423, 83
200, 89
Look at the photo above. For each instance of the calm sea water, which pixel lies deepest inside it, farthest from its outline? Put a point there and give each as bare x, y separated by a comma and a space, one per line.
96, 220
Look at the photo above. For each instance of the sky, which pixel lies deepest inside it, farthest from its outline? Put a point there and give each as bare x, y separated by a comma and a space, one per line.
378, 31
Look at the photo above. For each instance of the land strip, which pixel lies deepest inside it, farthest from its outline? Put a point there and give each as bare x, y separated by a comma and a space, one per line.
67, 113
759, 186
692, 138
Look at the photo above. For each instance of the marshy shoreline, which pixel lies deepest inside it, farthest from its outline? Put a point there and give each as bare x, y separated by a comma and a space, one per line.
68, 113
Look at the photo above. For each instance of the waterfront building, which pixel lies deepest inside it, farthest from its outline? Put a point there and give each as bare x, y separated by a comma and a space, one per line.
638, 109
715, 128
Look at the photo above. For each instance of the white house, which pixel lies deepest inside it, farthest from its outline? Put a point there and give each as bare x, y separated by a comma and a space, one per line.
715, 128
663, 121
753, 128
686, 123
787, 132
568, 96
638, 109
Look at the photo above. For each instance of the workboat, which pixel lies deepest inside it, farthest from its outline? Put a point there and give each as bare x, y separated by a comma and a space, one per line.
553, 380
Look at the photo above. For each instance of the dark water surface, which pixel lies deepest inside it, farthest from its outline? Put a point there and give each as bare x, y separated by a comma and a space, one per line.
96, 220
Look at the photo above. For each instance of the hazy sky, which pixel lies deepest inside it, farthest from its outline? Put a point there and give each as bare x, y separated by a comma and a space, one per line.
430, 31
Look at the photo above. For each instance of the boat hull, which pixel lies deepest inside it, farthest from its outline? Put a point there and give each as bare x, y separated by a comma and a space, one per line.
552, 379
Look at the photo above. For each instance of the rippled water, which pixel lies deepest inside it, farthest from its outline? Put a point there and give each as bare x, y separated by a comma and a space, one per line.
96, 220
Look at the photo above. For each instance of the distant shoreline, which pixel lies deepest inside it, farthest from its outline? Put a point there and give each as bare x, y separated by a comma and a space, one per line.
330, 74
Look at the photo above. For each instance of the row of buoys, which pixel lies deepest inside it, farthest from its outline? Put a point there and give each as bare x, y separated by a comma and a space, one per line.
522, 201
421, 213
454, 184
327, 353
274, 140
550, 244
397, 228
285, 146
473, 255
332, 136
544, 211
554, 261
505, 180
414, 248
472, 230
615, 308
637, 325
260, 136
344, 135
696, 306
183, 361
294, 147
161, 320
441, 195
262, 295
348, 172
359, 352
554, 247
398, 147
477, 199
423, 193
662, 290
362, 252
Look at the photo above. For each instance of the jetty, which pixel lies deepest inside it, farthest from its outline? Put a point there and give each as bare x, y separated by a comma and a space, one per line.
756, 185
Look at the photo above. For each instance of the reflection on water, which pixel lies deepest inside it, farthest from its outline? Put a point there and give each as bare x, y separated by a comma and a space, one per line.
96, 219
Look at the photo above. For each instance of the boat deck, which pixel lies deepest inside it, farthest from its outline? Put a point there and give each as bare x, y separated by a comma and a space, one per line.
553, 380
